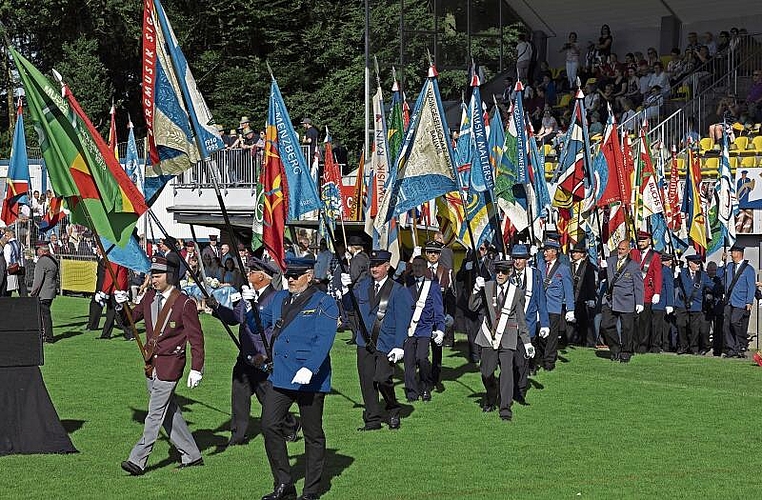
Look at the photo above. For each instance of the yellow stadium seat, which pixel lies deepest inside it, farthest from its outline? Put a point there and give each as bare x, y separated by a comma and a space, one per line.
711, 164
756, 144
706, 144
748, 162
733, 162
740, 145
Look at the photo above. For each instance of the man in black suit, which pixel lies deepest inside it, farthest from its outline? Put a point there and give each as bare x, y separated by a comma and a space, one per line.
96, 307
583, 276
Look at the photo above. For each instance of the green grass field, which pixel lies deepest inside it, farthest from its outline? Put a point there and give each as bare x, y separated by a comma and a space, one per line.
660, 427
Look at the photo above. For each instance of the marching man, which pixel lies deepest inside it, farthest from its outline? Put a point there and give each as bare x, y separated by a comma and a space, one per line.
504, 323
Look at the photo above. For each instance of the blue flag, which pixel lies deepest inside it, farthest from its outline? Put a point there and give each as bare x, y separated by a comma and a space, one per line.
131, 256
481, 169
302, 192
131, 164
522, 172
18, 182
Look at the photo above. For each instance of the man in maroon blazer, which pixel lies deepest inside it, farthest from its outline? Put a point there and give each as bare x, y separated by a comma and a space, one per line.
171, 321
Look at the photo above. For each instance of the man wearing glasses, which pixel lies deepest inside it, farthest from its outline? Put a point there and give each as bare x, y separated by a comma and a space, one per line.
502, 305
304, 321
250, 375
442, 275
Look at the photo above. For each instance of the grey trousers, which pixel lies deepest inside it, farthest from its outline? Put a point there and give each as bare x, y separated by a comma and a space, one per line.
163, 411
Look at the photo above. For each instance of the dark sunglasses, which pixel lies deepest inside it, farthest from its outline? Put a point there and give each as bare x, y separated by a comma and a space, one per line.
294, 275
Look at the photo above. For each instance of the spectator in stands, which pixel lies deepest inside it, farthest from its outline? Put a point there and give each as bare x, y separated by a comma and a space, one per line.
231, 275
660, 78
653, 102
628, 112
508, 89
535, 106
596, 127
523, 57
707, 40
644, 79
543, 69
693, 43
629, 59
619, 84
230, 138
632, 92
572, 58
592, 98
243, 124
225, 253
549, 86
727, 113
652, 57
724, 42
549, 128
607, 99
702, 55
754, 97
607, 70
603, 47
675, 65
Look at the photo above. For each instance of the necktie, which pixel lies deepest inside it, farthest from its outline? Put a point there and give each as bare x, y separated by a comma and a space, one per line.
376, 288
547, 269
501, 297
160, 302
520, 280
619, 264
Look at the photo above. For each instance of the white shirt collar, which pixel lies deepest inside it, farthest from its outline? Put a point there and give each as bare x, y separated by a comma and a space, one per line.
166, 292
381, 282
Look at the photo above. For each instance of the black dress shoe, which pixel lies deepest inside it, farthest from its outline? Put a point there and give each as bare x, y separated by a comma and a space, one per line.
236, 442
133, 468
394, 422
308, 496
624, 358
488, 408
281, 492
521, 401
426, 396
412, 400
506, 418
196, 463
367, 427
703, 352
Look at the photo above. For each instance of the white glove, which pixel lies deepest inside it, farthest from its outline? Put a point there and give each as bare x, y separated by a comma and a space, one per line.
416, 251
544, 332
638, 309
247, 293
529, 348
533, 250
479, 283
438, 336
449, 321
346, 279
569, 316
194, 378
396, 355
655, 299
677, 272
348, 256
121, 296
759, 303
604, 264
469, 265
302, 377
99, 298
590, 304
669, 309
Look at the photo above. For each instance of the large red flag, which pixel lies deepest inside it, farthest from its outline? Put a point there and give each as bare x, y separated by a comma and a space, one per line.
274, 210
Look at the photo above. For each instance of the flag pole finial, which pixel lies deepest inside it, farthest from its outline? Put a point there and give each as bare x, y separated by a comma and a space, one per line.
270, 70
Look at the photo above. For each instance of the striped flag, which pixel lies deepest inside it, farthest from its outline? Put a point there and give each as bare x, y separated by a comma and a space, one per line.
17, 180
727, 202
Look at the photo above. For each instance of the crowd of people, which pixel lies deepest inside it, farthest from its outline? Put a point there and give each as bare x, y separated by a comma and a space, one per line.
641, 81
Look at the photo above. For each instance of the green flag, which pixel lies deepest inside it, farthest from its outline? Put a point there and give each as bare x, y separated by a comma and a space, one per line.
97, 190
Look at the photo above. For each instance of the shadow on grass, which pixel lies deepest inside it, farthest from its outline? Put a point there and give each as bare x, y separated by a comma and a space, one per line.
335, 464
67, 335
603, 354
76, 323
72, 426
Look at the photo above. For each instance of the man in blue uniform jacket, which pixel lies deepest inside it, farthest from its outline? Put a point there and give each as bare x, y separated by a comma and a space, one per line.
662, 310
740, 287
386, 308
426, 323
559, 294
692, 328
249, 375
304, 321
529, 280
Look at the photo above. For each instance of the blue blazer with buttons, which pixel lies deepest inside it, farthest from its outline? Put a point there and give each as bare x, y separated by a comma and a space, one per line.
537, 308
560, 291
304, 342
691, 288
667, 294
396, 321
743, 291
432, 316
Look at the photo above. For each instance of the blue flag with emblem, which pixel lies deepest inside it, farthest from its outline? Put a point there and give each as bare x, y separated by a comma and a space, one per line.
481, 170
